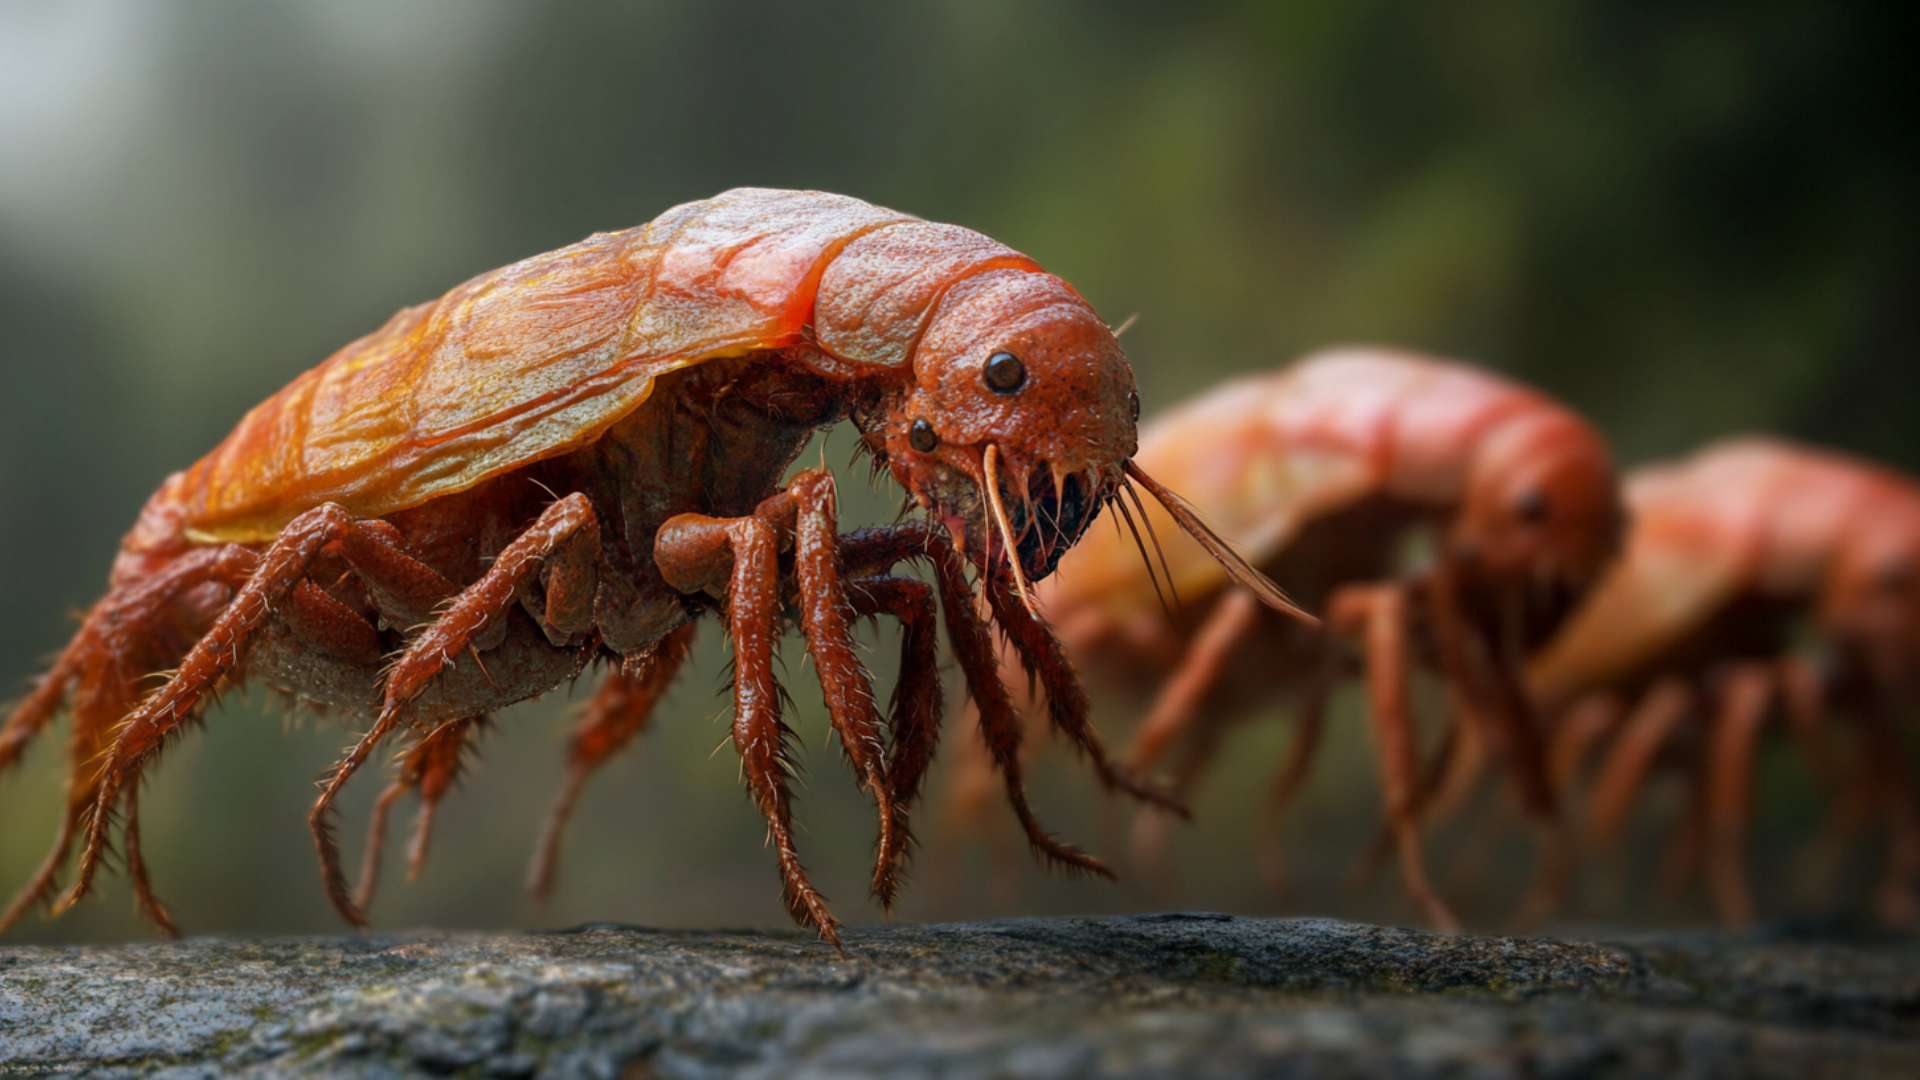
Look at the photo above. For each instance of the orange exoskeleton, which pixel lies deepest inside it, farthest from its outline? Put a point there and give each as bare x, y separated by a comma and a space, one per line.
571, 459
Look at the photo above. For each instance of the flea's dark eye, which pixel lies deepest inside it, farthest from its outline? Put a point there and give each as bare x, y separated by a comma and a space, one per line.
1133, 402
1005, 373
922, 437
1531, 507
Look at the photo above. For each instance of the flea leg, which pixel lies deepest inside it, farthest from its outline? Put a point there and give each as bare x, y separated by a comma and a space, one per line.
568, 523
122, 638
826, 621
35, 711
217, 655
430, 767
1803, 691
143, 894
805, 513
689, 549
1177, 714
971, 785
1310, 724
1487, 681
274, 581
1580, 730
376, 846
1895, 896
972, 643
1152, 829
1743, 708
1629, 761
1067, 706
1178, 707
443, 753
1682, 858
1449, 781
913, 716
619, 712
1380, 615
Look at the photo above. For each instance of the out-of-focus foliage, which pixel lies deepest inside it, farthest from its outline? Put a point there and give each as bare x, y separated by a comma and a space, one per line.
1686, 220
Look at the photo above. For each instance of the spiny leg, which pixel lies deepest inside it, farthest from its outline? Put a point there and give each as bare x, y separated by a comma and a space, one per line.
913, 716
1744, 700
430, 767
1067, 706
217, 655
143, 894
972, 643
126, 632
566, 524
1379, 614
826, 624
619, 712
690, 549
34, 712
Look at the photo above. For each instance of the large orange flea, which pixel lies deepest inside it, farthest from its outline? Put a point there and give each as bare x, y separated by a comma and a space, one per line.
1324, 473
1739, 558
571, 459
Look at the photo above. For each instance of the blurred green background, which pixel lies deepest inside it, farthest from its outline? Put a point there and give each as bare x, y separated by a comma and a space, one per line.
1685, 221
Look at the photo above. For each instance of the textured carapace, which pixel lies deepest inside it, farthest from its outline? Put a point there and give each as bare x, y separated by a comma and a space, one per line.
569, 459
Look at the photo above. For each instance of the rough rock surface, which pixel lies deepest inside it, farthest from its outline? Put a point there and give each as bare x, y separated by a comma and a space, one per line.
1150, 995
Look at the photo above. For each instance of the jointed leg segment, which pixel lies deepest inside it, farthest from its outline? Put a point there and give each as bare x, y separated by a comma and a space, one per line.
568, 525
619, 711
430, 767
1378, 615
270, 583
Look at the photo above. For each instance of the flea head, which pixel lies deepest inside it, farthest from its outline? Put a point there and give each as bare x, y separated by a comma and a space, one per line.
1018, 420
1542, 514
1020, 427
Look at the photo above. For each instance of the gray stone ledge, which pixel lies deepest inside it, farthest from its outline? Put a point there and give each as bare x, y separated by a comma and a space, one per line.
1190, 994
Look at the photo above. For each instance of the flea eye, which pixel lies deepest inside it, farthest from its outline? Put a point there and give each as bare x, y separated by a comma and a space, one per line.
922, 437
1005, 373
1531, 507
1133, 402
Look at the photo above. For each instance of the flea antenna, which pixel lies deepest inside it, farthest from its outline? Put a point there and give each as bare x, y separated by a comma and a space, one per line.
1140, 545
992, 466
1237, 567
1155, 537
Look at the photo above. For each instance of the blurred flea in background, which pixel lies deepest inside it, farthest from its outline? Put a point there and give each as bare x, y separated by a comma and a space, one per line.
1761, 579
1326, 472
